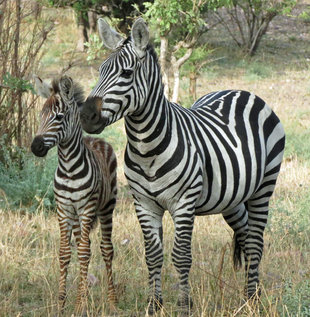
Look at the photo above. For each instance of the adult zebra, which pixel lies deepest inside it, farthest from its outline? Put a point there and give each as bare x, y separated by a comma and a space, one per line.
84, 183
221, 156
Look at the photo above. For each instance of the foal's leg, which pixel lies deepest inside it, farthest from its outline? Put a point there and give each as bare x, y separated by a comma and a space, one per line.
65, 225
84, 259
106, 247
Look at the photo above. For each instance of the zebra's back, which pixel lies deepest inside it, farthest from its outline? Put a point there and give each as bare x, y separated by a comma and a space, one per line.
106, 159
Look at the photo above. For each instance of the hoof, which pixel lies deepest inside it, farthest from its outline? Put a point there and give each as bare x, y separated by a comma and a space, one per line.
154, 304
185, 305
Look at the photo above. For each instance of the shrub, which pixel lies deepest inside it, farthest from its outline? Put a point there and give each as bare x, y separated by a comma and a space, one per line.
296, 300
29, 185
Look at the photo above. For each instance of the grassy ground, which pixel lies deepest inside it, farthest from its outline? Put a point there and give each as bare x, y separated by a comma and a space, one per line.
29, 242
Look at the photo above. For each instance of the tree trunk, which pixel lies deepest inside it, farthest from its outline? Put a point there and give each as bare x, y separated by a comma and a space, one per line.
92, 19
192, 85
260, 33
15, 73
162, 60
82, 32
176, 80
176, 65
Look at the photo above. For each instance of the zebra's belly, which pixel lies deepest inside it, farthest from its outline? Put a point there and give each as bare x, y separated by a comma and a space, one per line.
76, 199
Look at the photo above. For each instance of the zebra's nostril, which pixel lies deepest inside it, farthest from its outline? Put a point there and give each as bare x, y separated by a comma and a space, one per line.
94, 117
37, 146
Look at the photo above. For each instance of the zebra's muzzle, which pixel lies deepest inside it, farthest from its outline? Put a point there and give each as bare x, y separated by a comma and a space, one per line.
37, 146
90, 114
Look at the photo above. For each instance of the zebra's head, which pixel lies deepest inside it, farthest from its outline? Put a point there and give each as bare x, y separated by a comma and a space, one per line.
59, 115
122, 86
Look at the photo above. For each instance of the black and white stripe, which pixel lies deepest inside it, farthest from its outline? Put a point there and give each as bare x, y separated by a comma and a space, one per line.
84, 183
221, 156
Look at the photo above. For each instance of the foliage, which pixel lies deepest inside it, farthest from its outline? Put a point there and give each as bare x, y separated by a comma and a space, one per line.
178, 26
121, 10
30, 186
247, 21
16, 83
94, 47
24, 30
305, 16
186, 14
296, 299
178, 19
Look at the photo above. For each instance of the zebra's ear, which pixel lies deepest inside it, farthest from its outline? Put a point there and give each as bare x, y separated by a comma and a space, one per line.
140, 36
110, 38
42, 88
66, 87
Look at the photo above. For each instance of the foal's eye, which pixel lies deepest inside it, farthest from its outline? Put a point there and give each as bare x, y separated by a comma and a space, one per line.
126, 73
59, 116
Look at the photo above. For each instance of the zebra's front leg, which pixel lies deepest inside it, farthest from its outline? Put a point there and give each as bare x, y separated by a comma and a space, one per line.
64, 257
84, 259
182, 255
151, 225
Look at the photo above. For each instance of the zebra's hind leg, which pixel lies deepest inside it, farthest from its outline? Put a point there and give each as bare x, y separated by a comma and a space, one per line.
107, 251
84, 259
237, 219
258, 208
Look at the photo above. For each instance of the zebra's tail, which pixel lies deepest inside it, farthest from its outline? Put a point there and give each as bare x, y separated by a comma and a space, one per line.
237, 252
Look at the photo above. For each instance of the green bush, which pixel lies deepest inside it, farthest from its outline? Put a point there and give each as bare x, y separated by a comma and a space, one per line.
296, 300
27, 182
292, 219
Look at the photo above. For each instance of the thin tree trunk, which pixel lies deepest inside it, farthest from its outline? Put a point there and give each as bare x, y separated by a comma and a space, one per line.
162, 60
16, 74
92, 19
82, 32
176, 65
176, 81
192, 85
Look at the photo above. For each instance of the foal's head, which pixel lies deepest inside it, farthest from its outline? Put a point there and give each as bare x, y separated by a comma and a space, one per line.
60, 114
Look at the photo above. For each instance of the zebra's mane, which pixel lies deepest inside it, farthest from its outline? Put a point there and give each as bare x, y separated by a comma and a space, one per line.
78, 92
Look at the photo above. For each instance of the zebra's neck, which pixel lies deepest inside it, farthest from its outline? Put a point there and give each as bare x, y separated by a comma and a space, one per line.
71, 152
152, 125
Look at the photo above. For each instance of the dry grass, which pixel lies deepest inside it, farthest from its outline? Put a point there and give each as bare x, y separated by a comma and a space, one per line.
29, 243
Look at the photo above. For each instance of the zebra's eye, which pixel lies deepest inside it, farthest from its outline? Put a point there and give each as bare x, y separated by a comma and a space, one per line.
126, 73
59, 116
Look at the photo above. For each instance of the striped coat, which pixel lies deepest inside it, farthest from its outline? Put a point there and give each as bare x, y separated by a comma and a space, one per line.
221, 156
84, 184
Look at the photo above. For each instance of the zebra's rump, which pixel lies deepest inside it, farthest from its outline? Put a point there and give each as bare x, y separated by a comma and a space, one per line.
246, 138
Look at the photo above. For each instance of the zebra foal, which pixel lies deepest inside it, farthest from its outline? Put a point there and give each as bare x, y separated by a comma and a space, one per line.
221, 156
84, 183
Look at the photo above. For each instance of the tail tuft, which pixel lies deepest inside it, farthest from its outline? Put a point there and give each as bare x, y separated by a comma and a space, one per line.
237, 253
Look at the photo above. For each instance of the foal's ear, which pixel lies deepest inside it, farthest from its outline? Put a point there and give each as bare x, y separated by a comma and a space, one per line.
42, 88
110, 38
140, 36
66, 87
